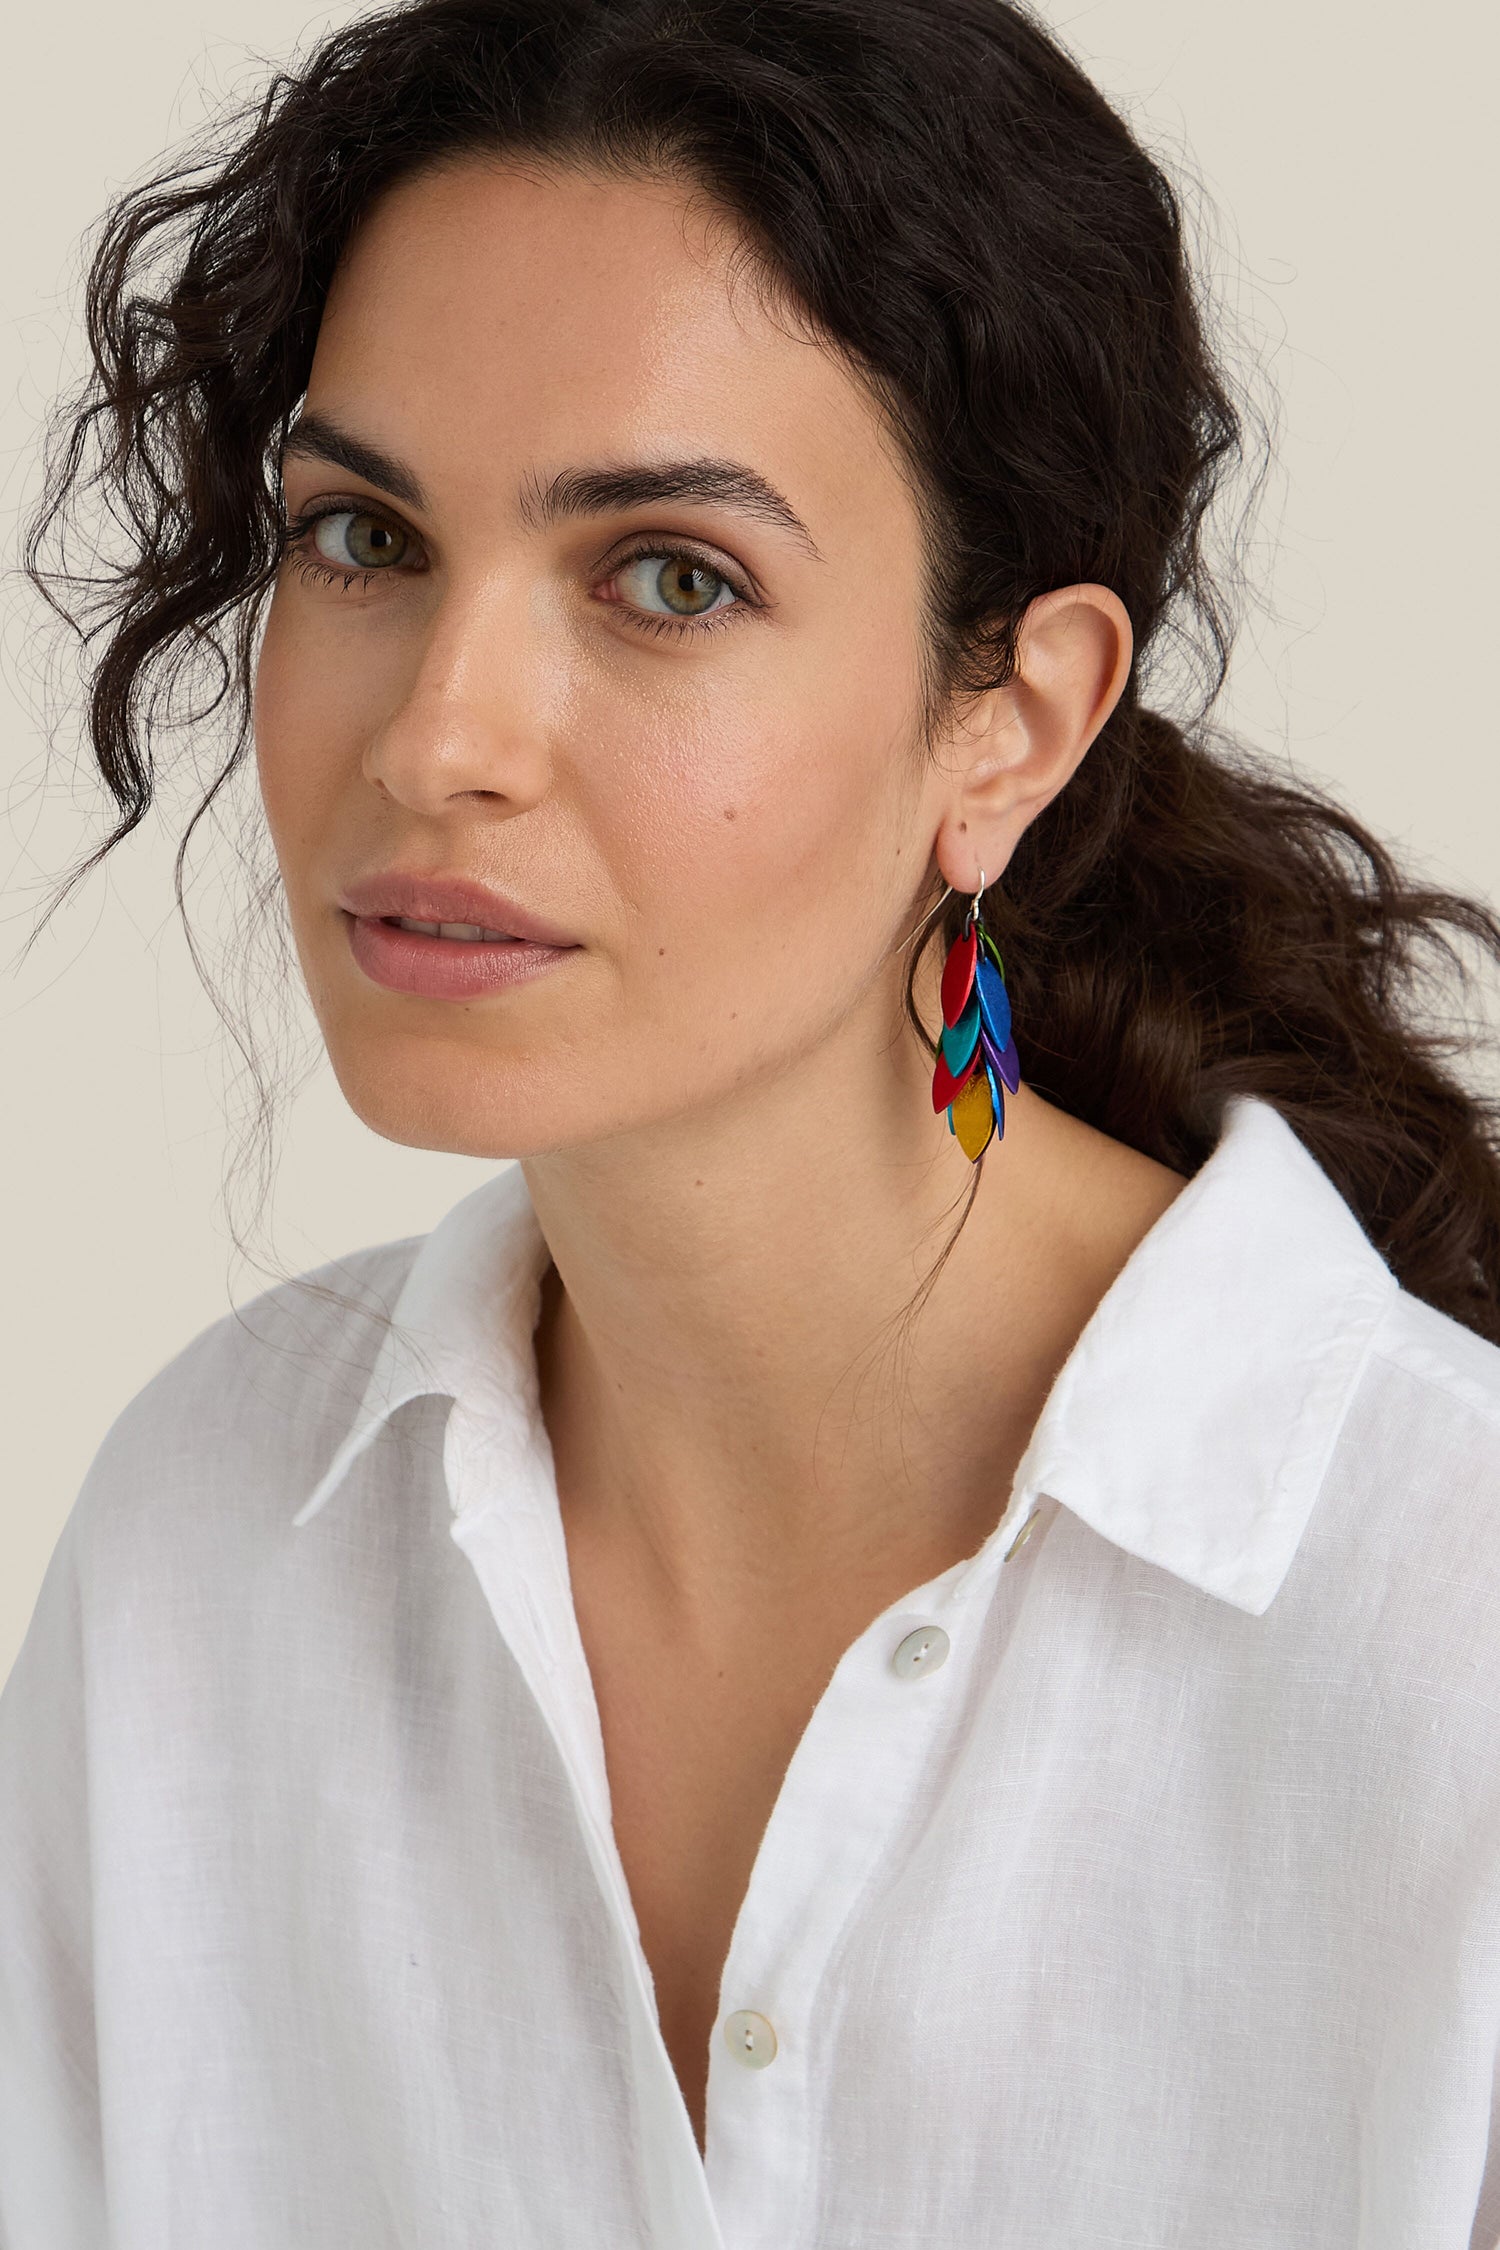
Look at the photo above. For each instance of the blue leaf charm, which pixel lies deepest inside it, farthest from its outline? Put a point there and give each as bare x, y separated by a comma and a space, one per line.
994, 1000
997, 1100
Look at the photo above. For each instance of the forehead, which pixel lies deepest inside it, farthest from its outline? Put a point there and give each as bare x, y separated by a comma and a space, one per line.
489, 317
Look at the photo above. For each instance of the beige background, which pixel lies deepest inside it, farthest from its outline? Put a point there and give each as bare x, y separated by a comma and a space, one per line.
1355, 245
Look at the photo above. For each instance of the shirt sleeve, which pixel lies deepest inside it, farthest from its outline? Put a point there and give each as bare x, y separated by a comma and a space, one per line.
51, 2161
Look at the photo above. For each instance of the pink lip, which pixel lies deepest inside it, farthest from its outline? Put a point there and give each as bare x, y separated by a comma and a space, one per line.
442, 968
446, 898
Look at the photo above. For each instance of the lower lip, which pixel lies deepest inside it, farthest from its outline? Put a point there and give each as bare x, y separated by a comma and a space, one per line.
442, 968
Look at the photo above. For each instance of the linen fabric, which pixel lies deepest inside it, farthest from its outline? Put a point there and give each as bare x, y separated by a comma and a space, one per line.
1163, 1914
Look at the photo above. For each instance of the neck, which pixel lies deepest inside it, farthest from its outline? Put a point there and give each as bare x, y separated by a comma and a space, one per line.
745, 1384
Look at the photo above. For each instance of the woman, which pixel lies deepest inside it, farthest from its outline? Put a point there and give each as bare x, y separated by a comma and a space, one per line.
959, 1700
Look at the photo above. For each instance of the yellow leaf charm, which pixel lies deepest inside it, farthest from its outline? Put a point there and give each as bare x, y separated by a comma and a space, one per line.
974, 1116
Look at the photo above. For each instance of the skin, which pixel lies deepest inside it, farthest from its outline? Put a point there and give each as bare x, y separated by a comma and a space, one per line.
724, 1121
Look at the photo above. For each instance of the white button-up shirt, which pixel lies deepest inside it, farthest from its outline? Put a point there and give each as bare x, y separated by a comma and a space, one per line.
1135, 1885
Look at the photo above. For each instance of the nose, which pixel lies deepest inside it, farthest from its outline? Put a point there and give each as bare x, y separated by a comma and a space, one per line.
472, 721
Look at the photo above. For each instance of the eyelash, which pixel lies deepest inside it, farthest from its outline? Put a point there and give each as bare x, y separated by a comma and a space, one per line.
318, 572
712, 621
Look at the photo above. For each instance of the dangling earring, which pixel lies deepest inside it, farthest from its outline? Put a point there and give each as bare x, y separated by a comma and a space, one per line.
976, 1055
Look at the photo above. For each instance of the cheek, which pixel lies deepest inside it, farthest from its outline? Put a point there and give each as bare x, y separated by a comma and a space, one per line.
771, 773
291, 714
753, 828
317, 699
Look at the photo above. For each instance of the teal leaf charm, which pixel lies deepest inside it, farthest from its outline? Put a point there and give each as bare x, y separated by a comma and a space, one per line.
960, 1039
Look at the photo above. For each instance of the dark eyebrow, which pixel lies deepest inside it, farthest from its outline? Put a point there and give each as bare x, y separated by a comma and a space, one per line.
716, 484
572, 492
323, 440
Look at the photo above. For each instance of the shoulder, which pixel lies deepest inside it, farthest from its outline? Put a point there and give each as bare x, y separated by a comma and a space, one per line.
1417, 1459
1457, 1369
246, 1413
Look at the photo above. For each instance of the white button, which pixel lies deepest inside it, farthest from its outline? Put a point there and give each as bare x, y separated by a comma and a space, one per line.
921, 1651
751, 2038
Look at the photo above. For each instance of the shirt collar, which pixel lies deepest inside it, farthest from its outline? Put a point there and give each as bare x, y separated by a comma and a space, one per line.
1194, 1420
462, 1323
1191, 1425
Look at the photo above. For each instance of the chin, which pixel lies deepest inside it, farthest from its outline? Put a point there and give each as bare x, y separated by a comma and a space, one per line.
469, 1108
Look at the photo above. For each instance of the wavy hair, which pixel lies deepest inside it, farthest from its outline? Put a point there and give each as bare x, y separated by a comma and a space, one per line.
957, 208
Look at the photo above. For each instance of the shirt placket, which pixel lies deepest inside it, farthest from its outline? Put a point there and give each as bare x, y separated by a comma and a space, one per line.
507, 1523
840, 1822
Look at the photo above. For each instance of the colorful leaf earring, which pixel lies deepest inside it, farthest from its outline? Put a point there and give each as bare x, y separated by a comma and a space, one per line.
976, 1053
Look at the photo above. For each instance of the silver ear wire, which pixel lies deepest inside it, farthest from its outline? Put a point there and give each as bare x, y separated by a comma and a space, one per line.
926, 918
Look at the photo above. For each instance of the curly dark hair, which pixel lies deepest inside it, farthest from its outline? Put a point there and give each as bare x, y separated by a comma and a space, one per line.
960, 212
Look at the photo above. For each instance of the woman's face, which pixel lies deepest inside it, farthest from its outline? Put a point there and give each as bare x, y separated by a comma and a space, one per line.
676, 722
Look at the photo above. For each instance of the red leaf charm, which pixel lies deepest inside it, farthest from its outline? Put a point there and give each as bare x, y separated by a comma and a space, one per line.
945, 1084
958, 976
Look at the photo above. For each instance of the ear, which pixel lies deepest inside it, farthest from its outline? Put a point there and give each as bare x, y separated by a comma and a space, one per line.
1011, 750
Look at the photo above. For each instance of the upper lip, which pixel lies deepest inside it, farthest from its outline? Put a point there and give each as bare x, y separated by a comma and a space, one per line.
416, 897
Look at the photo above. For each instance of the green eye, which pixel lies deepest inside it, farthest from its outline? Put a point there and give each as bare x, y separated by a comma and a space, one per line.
686, 587
358, 542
